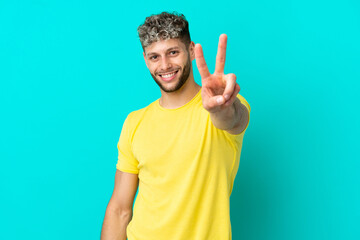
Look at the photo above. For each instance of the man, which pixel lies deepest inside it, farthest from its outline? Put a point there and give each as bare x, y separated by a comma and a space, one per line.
182, 150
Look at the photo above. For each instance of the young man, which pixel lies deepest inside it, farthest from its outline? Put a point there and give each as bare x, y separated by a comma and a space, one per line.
182, 150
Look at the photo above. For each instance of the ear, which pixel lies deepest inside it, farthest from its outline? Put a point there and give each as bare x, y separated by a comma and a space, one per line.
192, 50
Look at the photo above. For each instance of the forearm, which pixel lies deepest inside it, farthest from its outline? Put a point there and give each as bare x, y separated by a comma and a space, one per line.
114, 225
234, 116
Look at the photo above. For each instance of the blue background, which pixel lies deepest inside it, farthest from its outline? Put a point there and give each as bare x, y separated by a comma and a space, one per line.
71, 71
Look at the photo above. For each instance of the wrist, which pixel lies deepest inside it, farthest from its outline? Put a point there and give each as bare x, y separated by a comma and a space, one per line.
226, 118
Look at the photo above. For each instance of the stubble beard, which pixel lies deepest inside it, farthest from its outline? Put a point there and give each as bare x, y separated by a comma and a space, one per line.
182, 79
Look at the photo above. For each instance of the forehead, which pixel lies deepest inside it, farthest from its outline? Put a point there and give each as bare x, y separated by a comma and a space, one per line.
164, 45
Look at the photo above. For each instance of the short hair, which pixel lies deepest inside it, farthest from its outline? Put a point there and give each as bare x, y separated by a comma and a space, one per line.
164, 26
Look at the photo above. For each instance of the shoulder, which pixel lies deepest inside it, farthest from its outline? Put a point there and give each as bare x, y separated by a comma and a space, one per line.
134, 117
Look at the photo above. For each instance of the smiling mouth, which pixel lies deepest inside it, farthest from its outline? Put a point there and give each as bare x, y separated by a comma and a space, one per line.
168, 75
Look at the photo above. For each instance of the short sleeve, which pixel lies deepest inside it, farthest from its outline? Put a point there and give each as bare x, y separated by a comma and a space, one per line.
247, 105
126, 160
238, 137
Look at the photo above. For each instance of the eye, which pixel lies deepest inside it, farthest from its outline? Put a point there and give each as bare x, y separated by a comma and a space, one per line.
173, 52
154, 57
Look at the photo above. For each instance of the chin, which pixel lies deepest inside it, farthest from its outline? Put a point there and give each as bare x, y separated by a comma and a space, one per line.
176, 86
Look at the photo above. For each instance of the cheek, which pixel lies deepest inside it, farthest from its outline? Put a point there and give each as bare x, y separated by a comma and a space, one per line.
155, 70
152, 69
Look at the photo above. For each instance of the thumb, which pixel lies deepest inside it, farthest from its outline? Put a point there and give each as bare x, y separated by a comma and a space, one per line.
213, 103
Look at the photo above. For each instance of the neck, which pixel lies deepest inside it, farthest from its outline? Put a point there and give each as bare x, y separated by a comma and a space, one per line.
180, 97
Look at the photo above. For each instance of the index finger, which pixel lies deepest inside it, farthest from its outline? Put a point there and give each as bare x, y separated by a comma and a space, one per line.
221, 54
200, 62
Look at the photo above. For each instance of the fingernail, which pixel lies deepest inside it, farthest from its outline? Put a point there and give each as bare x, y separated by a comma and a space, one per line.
227, 97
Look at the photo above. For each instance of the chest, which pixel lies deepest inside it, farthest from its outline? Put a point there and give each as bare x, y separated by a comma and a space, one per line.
162, 140
170, 147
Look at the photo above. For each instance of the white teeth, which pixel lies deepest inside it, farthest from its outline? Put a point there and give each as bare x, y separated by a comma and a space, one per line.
168, 75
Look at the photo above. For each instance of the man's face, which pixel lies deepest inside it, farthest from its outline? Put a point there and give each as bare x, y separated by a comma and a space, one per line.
169, 63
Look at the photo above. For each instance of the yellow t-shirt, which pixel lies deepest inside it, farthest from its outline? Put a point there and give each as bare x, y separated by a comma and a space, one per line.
186, 168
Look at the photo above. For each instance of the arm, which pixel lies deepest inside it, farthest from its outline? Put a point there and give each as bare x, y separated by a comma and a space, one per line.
233, 119
219, 92
119, 210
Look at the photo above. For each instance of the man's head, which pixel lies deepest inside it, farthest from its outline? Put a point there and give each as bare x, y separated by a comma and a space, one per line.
164, 26
168, 49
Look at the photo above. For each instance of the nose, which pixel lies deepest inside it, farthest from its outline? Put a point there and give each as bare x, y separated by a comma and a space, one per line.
165, 64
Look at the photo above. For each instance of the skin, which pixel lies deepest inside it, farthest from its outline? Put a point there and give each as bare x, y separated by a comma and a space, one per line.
183, 76
166, 56
219, 92
119, 210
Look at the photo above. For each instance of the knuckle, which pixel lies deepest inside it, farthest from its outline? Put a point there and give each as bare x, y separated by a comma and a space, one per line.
211, 105
238, 87
206, 105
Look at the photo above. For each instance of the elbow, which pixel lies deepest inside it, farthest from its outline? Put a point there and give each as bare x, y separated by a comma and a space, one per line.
122, 212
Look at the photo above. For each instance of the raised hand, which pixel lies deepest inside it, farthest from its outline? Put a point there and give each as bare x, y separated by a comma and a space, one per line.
219, 91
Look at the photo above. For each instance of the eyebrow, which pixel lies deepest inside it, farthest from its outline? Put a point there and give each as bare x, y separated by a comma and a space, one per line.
167, 50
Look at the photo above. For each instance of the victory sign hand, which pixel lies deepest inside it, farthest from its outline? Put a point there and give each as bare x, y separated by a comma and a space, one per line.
219, 91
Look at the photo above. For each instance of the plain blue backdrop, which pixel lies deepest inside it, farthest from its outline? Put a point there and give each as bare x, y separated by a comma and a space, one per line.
71, 71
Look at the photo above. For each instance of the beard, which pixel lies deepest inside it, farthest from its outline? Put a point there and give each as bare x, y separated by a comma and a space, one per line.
182, 79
